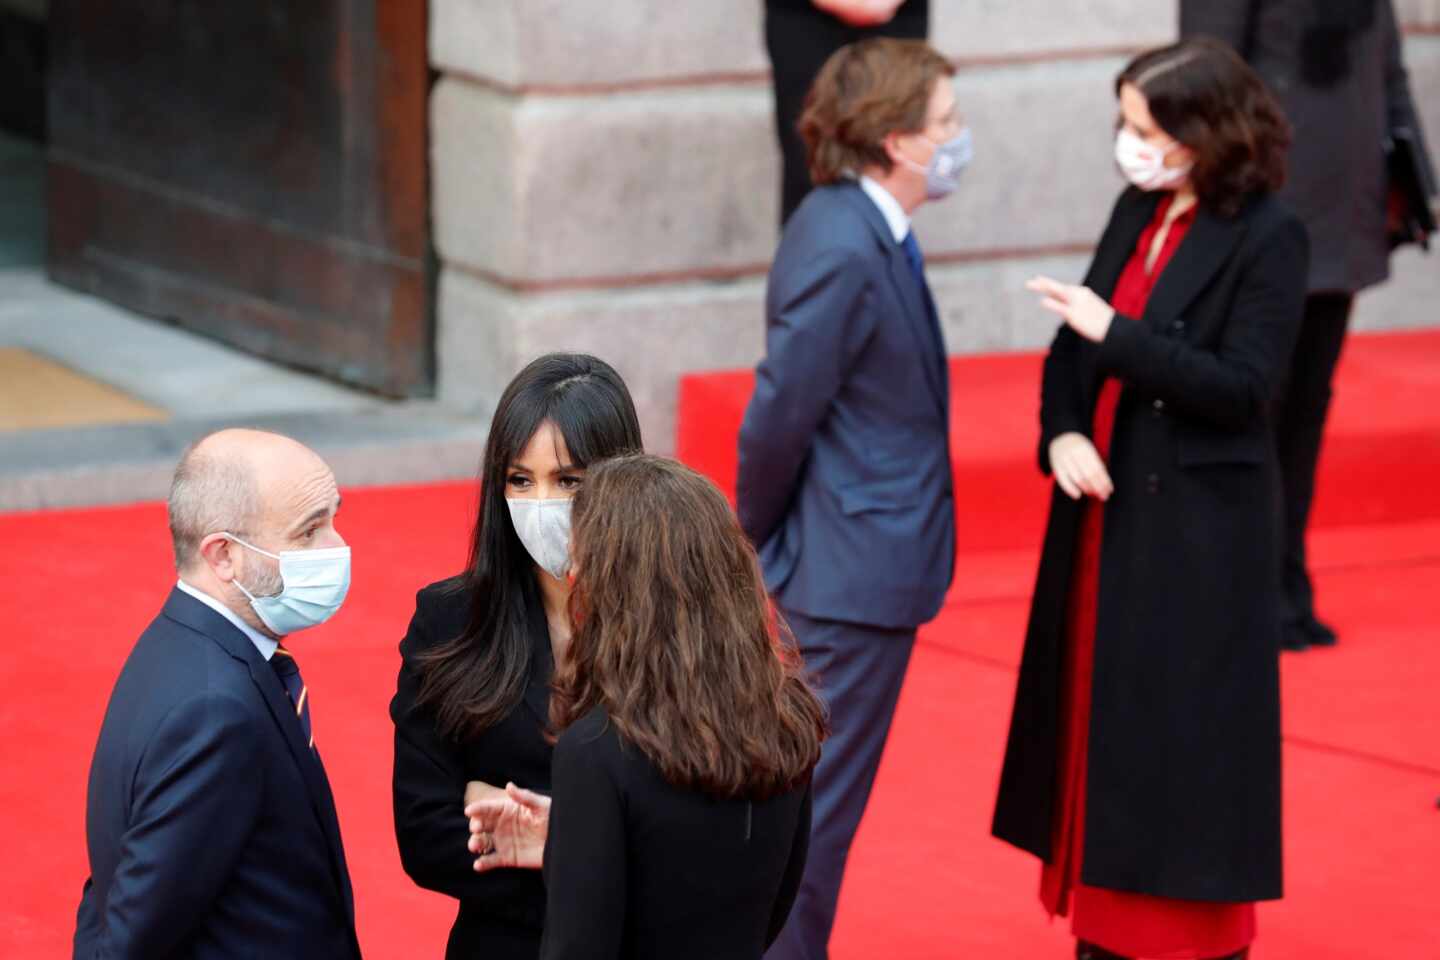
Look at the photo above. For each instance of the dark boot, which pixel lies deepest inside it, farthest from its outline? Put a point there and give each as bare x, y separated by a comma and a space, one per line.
1088, 951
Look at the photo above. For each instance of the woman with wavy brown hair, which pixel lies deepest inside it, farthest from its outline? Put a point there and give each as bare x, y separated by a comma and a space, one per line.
686, 733
1143, 765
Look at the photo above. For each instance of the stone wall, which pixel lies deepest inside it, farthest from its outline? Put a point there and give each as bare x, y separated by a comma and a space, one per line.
605, 179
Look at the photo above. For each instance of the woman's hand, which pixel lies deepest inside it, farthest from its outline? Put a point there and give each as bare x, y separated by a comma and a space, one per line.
1078, 468
508, 830
477, 790
1080, 307
859, 13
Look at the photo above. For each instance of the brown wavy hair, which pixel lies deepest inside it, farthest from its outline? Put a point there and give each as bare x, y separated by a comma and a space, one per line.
674, 636
863, 93
1202, 94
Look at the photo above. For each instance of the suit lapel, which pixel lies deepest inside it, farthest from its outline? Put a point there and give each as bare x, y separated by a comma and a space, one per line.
194, 614
1117, 245
317, 784
912, 296
1200, 256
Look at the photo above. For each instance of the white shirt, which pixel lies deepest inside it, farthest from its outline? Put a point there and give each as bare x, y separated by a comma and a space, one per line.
264, 644
895, 215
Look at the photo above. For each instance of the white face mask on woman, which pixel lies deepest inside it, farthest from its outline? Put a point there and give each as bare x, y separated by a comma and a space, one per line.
543, 526
1144, 165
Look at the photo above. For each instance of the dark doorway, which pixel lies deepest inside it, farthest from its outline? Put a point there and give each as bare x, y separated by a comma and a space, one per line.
252, 171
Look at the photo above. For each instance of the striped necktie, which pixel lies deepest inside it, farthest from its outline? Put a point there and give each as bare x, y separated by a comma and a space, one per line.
289, 671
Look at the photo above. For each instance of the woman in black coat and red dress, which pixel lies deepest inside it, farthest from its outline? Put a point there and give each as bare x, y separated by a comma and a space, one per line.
1143, 763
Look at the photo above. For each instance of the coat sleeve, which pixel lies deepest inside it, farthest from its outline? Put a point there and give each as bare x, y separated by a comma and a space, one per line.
1399, 103
196, 799
817, 329
1227, 387
1062, 407
1227, 20
585, 855
794, 870
428, 789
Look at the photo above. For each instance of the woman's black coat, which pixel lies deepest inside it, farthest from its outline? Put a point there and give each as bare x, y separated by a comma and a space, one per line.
1183, 780
501, 913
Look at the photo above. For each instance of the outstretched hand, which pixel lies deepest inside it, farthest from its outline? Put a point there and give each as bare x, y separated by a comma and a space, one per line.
1080, 307
509, 830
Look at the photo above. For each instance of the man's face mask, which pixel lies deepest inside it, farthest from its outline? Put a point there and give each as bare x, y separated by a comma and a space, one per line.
314, 585
947, 161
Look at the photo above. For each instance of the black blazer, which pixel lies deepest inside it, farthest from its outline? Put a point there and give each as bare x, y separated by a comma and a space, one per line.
1183, 788
638, 868
209, 821
502, 912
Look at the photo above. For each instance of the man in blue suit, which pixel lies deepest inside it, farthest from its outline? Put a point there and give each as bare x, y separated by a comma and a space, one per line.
845, 482
210, 824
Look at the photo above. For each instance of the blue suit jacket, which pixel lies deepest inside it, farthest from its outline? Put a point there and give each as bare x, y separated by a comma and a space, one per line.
845, 482
210, 824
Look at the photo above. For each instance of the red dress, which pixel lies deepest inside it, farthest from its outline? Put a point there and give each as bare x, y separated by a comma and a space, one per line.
1130, 924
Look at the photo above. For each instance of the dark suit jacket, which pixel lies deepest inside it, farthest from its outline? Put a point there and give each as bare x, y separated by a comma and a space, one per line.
502, 912
1338, 180
844, 482
640, 869
210, 824
1183, 783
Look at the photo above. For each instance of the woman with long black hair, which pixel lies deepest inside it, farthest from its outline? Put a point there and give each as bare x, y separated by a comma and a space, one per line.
1143, 765
473, 696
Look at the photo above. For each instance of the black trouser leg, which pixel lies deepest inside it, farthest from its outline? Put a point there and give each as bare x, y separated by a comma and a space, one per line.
1299, 430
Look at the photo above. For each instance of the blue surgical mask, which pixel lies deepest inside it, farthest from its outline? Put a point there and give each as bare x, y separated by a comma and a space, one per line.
314, 585
947, 161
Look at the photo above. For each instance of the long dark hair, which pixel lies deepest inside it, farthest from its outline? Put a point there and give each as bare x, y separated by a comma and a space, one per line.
1202, 94
472, 681
674, 636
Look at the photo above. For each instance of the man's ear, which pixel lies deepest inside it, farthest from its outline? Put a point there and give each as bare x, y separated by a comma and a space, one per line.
891, 146
216, 551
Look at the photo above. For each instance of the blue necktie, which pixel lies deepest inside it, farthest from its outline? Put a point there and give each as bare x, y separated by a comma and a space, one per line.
917, 268
295, 689
915, 259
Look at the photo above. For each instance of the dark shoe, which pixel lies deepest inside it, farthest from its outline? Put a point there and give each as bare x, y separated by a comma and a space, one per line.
1319, 633
1294, 637
1088, 951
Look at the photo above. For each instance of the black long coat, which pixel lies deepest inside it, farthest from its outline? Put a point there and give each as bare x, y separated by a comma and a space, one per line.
1183, 782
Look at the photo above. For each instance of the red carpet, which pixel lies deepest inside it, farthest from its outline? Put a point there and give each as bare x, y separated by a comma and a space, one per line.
1362, 759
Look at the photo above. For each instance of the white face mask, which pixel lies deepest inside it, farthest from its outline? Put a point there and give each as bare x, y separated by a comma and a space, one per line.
1144, 165
544, 527
314, 585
